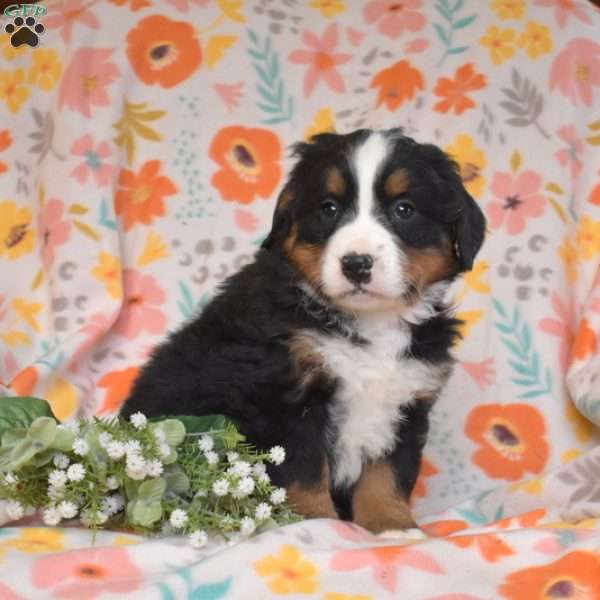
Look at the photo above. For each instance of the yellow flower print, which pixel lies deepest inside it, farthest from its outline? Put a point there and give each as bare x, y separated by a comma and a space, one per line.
28, 311
588, 238
38, 540
9, 52
154, 249
329, 8
46, 68
12, 90
584, 429
288, 572
509, 9
471, 161
16, 234
469, 319
324, 122
568, 253
232, 9
500, 43
474, 278
109, 271
536, 39
62, 397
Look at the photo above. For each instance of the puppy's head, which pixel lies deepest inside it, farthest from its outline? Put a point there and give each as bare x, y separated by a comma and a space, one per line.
372, 219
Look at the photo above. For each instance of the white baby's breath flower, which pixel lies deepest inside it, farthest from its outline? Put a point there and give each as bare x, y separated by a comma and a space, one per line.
57, 478
278, 496
159, 435
105, 439
138, 420
164, 450
232, 457
154, 468
112, 504
212, 458
240, 469
10, 479
112, 483
138, 473
178, 518
206, 443
245, 487
220, 487
263, 511
198, 538
73, 427
264, 478
80, 447
133, 447
135, 461
115, 450
51, 516
55, 493
277, 455
258, 469
60, 460
76, 472
247, 526
89, 517
14, 510
67, 510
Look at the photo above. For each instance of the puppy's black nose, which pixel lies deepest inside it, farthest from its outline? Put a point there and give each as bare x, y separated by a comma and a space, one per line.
357, 267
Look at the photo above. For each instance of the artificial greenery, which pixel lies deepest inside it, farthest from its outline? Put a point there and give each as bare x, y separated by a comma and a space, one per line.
193, 475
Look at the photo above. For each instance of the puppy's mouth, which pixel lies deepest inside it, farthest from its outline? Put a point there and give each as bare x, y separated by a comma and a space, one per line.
358, 291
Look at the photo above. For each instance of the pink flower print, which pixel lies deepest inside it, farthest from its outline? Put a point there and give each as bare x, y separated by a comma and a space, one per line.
85, 80
576, 70
184, 5
245, 220
562, 328
93, 164
69, 13
565, 8
384, 562
350, 531
518, 198
140, 310
86, 573
231, 94
482, 372
54, 231
322, 60
570, 155
394, 17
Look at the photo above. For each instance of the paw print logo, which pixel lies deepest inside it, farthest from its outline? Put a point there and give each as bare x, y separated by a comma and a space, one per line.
24, 31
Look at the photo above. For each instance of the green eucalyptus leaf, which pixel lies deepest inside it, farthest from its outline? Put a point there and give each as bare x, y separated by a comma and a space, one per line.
13, 436
177, 480
171, 457
131, 488
174, 431
21, 412
5, 459
23, 452
195, 424
40, 460
147, 509
42, 432
63, 441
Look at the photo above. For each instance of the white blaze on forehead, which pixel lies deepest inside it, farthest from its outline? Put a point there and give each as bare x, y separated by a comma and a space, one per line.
367, 160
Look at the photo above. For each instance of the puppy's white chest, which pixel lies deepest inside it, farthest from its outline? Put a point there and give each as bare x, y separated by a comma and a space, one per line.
374, 381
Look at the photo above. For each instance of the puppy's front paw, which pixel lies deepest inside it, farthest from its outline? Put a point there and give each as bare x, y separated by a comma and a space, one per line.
412, 535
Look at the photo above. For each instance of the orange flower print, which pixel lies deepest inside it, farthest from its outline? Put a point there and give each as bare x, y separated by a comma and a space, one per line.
25, 381
5, 142
444, 528
454, 91
397, 84
141, 196
118, 385
576, 575
428, 469
593, 199
586, 341
490, 546
162, 51
248, 161
511, 440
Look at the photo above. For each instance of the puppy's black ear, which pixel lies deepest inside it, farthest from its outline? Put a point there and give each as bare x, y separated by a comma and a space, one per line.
470, 231
282, 219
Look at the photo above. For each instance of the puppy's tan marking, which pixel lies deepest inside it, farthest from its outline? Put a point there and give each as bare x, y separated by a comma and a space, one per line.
428, 265
313, 501
334, 182
397, 183
307, 360
377, 504
305, 257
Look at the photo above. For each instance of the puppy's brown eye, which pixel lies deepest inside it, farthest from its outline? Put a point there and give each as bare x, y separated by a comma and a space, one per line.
329, 209
403, 210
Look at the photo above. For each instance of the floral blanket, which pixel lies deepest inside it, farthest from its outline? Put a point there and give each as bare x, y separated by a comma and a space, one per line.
142, 144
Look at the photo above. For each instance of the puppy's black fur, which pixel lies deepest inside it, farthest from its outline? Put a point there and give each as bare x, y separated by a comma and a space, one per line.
235, 357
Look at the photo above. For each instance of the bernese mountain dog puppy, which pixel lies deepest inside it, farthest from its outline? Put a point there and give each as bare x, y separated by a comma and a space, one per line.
335, 341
